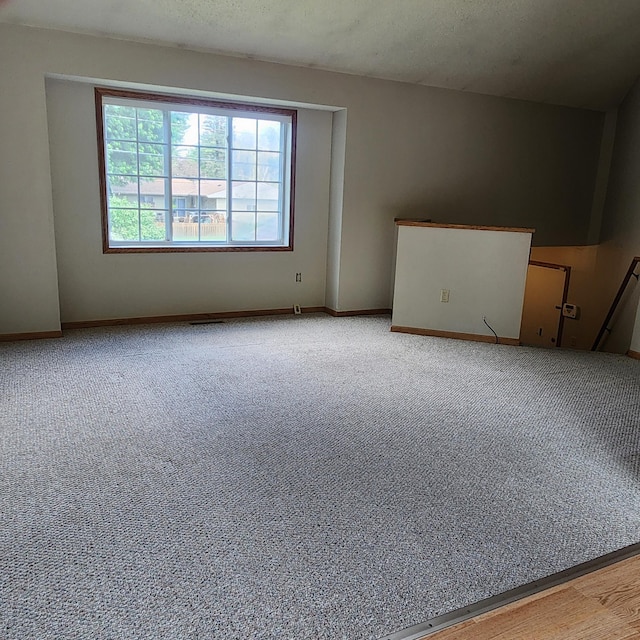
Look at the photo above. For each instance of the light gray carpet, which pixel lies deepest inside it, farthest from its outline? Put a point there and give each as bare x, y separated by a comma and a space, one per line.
298, 477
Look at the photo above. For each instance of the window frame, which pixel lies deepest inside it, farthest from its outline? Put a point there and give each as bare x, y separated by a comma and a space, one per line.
176, 100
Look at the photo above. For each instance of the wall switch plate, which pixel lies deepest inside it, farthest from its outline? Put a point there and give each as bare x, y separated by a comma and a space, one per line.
444, 295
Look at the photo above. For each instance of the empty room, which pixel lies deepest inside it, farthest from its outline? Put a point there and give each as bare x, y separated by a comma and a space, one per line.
319, 320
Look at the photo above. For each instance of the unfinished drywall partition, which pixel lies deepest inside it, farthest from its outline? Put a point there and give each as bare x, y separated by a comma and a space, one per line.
452, 156
620, 237
449, 280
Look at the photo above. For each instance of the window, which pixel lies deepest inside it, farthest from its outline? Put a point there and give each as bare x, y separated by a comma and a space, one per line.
189, 174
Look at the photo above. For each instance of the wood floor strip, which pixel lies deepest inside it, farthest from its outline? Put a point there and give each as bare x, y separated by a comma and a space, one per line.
460, 619
603, 605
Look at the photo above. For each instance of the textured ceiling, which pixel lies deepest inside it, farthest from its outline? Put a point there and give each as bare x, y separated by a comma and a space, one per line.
583, 53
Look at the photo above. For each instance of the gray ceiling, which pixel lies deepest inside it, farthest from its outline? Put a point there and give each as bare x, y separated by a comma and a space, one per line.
583, 53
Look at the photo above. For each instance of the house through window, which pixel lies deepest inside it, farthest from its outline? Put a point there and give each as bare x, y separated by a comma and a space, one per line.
194, 174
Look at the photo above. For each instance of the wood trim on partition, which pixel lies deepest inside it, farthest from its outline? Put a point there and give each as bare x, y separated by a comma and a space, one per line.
634, 354
473, 227
475, 337
550, 265
357, 312
35, 335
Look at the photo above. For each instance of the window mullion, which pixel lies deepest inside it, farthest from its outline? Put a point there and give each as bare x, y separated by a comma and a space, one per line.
229, 177
199, 186
255, 217
283, 179
168, 186
138, 174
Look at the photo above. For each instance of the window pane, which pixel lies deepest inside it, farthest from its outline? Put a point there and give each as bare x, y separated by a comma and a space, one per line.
184, 127
213, 227
268, 196
243, 196
243, 226
268, 227
184, 231
124, 224
244, 133
160, 215
185, 194
243, 165
122, 157
152, 192
120, 122
213, 163
150, 125
151, 159
269, 166
213, 130
269, 135
213, 195
122, 191
152, 224
184, 161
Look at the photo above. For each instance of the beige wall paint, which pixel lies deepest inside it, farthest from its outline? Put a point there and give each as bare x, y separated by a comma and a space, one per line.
98, 286
460, 158
28, 275
338, 146
620, 236
410, 150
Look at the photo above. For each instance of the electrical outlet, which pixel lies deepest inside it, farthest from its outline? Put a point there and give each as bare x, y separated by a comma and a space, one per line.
298, 277
296, 309
444, 295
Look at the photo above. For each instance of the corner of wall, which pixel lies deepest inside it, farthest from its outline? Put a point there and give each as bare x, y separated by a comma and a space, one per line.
602, 176
334, 245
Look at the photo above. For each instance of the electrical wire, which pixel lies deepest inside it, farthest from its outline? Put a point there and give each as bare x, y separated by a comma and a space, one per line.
484, 319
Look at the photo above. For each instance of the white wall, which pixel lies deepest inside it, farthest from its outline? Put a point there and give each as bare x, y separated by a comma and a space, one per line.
338, 146
484, 271
98, 286
452, 156
28, 275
